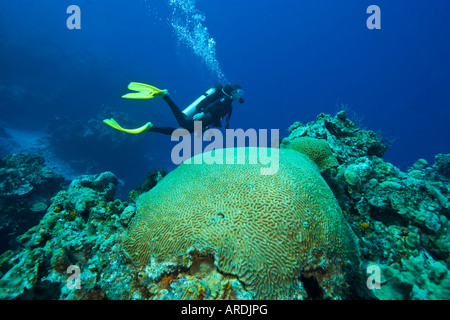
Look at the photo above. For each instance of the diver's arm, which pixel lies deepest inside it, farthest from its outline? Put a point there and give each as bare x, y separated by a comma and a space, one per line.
207, 117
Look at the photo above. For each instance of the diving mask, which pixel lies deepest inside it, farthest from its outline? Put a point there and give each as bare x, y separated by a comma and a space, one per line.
237, 94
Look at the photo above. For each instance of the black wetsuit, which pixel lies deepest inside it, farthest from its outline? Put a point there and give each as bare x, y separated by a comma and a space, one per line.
216, 106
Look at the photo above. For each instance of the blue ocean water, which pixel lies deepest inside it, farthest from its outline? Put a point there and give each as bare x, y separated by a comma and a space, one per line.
294, 60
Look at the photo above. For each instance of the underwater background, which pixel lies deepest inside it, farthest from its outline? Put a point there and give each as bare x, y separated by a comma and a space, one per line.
294, 60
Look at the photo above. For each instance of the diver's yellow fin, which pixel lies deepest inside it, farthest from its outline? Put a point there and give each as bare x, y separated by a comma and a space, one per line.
144, 91
113, 123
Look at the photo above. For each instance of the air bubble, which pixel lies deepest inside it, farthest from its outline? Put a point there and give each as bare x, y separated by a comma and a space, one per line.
187, 22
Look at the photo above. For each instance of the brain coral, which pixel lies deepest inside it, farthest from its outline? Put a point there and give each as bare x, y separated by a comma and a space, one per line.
317, 150
261, 228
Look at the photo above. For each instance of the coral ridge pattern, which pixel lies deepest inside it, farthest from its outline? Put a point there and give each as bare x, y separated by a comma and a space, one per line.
261, 228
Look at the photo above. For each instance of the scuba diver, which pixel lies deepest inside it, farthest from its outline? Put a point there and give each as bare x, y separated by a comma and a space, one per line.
210, 108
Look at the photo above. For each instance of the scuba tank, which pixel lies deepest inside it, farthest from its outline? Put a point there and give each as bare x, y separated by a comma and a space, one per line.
191, 109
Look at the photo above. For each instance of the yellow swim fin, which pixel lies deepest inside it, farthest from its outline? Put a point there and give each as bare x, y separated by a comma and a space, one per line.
113, 123
144, 91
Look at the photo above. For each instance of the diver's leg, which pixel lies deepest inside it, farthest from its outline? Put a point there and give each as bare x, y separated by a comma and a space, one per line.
168, 130
179, 116
163, 130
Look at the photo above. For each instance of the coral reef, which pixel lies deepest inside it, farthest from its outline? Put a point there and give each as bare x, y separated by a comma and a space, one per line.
405, 218
89, 245
79, 228
82, 231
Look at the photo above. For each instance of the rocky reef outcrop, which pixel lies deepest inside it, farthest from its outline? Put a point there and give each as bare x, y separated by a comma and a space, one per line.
26, 188
401, 218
